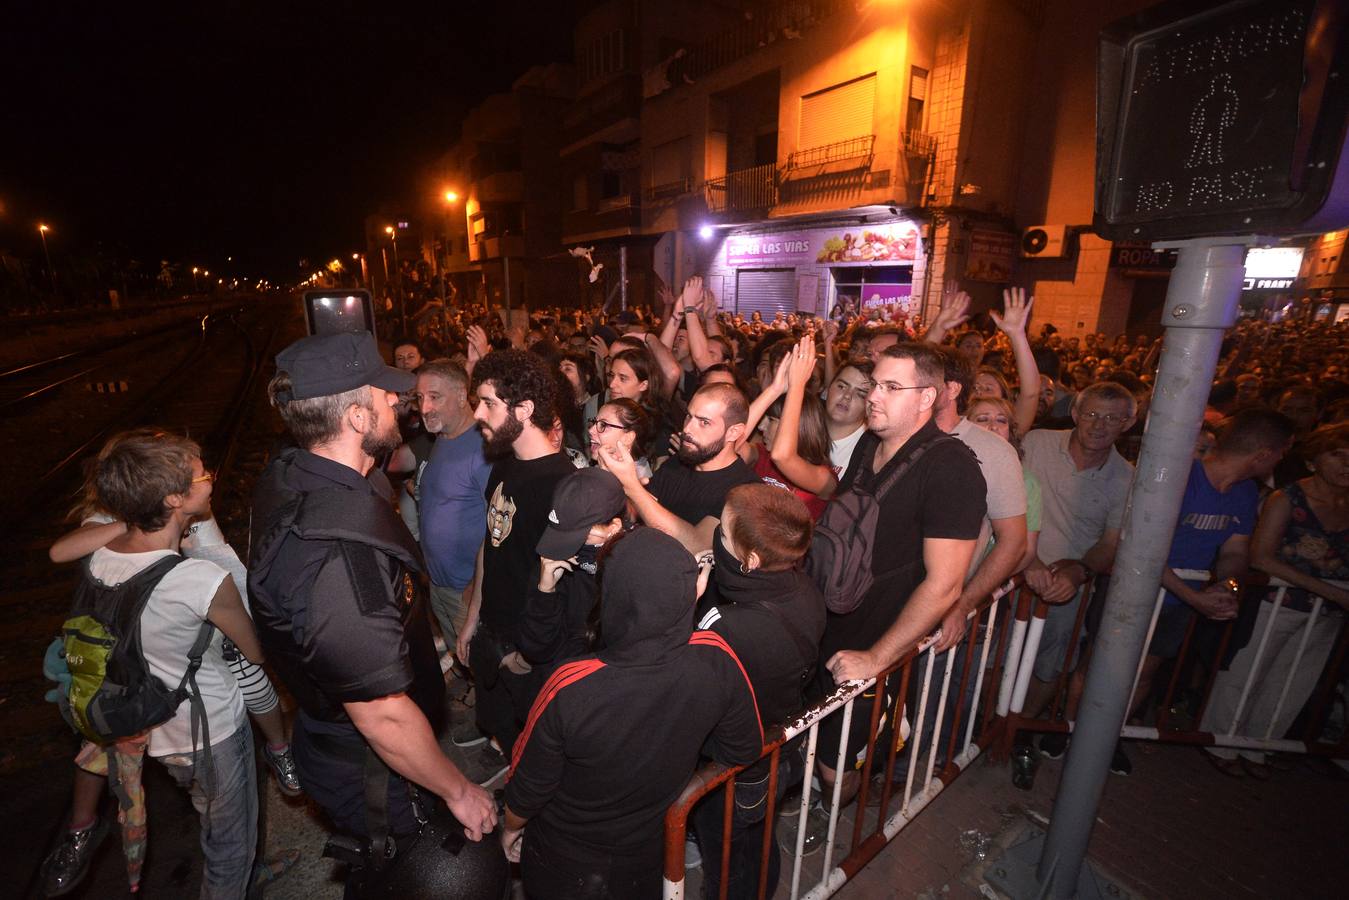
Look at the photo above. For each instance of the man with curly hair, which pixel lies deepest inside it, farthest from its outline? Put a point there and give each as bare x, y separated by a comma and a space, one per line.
516, 411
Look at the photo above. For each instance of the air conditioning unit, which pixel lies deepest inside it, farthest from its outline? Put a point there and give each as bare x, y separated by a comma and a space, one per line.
1045, 242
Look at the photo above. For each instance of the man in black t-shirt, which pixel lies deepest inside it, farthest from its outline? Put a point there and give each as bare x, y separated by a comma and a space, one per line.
516, 411
691, 486
928, 527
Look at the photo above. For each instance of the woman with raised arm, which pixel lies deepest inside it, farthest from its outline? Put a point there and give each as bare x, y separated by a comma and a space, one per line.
795, 450
1016, 310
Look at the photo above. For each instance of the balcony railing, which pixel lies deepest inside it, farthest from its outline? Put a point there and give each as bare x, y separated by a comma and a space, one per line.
748, 189
669, 190
858, 149
919, 143
763, 26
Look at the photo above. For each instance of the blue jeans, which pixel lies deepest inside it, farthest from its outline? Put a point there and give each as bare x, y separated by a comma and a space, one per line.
747, 830
227, 803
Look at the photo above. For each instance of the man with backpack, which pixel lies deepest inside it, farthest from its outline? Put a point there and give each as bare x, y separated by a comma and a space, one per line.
924, 493
143, 647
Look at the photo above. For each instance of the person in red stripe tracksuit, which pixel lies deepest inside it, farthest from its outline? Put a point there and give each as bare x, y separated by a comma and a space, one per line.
613, 738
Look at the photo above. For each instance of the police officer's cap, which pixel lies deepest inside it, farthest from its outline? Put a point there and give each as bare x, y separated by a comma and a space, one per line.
325, 364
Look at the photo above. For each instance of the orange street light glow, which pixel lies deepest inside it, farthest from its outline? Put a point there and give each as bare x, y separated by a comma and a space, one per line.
451, 197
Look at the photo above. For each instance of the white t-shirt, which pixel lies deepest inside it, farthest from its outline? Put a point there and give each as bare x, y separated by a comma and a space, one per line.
840, 451
169, 627
1004, 482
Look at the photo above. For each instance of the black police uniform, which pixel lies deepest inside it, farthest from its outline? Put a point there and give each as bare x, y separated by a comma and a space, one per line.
342, 619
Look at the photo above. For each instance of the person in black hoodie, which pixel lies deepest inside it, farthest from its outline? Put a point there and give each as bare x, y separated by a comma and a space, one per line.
557, 623
613, 738
772, 615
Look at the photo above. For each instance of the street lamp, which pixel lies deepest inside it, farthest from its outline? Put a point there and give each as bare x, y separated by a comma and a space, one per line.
451, 197
195, 286
398, 278
51, 273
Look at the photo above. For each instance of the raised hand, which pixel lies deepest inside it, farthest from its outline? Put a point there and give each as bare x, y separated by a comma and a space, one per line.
955, 310
782, 377
478, 346
1016, 307
598, 346
829, 331
550, 572
616, 459
693, 291
801, 363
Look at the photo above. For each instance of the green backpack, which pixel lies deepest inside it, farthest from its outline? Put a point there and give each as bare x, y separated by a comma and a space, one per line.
113, 694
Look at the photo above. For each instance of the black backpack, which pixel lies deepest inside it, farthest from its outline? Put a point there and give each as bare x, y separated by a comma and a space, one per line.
843, 544
113, 694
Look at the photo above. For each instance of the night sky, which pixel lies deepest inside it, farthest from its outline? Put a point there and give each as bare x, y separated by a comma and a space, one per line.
265, 131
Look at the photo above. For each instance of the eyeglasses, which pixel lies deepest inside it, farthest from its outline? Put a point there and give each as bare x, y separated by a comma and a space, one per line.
602, 426
204, 476
891, 387
1107, 418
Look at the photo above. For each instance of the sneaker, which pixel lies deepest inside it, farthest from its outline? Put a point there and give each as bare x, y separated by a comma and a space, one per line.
1053, 745
1119, 763
282, 764
693, 857
66, 866
790, 805
465, 733
492, 763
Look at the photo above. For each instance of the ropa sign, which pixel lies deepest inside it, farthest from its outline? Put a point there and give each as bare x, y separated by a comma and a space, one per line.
1228, 119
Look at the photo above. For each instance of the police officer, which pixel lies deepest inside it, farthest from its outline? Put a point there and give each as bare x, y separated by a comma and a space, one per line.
338, 608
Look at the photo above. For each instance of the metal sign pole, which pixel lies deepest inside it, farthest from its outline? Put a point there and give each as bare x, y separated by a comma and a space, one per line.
1201, 303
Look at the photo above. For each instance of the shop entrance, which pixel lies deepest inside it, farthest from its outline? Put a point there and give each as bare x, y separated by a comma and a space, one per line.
863, 287
766, 291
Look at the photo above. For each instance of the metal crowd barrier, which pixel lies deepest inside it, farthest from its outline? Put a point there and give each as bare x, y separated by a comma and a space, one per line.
1026, 642
971, 729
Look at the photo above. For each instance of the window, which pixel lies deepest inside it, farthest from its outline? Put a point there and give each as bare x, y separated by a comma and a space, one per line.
603, 56
669, 163
838, 113
917, 98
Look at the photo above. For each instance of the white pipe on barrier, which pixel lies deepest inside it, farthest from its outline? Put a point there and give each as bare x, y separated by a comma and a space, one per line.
1255, 664
989, 637
1147, 642
915, 747
935, 743
1292, 670
805, 809
1011, 666
836, 801
1027, 664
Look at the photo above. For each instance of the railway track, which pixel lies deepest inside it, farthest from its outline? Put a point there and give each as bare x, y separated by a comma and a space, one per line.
210, 387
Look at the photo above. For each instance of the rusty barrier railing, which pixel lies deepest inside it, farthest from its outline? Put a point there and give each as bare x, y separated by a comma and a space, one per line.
962, 721
1264, 683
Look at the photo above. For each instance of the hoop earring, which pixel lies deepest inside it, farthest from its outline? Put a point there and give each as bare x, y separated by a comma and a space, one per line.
743, 570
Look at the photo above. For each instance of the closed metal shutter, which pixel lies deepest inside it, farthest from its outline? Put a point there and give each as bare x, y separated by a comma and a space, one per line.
838, 113
770, 291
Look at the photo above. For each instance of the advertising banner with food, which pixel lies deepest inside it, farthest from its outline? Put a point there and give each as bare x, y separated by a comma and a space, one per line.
896, 242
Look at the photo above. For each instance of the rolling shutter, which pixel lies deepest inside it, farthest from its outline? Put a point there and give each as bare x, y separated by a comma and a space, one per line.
838, 113
770, 291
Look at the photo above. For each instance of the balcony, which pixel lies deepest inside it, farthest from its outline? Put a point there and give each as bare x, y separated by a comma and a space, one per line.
501, 187
840, 156
496, 247
670, 190
608, 108
766, 25
611, 217
745, 191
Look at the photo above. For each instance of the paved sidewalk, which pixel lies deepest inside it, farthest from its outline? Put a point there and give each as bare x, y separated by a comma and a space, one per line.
1174, 828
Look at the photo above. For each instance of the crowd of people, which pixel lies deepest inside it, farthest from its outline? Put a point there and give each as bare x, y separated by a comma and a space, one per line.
632, 543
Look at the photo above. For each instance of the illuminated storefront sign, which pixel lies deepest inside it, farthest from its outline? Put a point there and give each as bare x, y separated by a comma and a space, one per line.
861, 245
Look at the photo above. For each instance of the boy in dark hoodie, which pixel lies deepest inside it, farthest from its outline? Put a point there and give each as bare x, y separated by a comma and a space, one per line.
558, 621
613, 738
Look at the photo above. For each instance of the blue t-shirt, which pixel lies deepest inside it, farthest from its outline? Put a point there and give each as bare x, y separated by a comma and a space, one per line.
452, 509
1207, 519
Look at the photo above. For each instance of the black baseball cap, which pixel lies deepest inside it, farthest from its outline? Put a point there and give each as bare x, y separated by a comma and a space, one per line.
325, 364
584, 498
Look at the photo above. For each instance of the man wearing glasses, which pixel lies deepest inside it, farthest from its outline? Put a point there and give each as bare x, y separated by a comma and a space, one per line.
1084, 483
928, 526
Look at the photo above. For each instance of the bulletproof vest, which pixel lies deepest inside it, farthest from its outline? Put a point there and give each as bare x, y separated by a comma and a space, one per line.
380, 555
